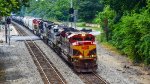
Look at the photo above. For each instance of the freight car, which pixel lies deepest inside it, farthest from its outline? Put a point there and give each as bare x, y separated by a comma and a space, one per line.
77, 47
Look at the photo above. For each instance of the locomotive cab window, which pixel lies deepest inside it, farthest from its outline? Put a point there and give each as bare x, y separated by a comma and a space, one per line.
88, 38
77, 38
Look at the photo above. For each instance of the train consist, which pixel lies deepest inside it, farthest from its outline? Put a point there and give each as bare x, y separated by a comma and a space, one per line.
77, 47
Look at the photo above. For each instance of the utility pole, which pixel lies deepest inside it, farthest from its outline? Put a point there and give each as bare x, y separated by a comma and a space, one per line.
6, 30
8, 34
71, 12
71, 4
8, 21
75, 17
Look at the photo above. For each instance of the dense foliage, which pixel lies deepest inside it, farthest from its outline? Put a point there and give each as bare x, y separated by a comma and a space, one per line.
132, 36
88, 9
59, 9
128, 22
122, 6
47, 9
8, 6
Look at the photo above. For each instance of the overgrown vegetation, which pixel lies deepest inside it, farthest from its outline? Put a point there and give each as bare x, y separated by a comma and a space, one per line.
128, 24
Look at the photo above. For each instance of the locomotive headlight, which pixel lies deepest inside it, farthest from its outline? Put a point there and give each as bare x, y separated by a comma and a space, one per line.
75, 60
83, 34
80, 56
92, 55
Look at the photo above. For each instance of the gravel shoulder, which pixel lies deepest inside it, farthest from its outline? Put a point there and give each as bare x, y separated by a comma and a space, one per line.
18, 65
118, 69
66, 72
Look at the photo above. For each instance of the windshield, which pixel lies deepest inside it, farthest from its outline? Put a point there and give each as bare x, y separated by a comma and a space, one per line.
88, 38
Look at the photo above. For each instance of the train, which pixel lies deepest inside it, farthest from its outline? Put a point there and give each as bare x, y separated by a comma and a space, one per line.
77, 47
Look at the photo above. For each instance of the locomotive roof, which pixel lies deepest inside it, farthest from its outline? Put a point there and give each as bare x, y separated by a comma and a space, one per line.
47, 21
70, 29
86, 30
77, 33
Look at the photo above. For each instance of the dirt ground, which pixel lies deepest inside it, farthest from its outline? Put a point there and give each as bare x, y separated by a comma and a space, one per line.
123, 68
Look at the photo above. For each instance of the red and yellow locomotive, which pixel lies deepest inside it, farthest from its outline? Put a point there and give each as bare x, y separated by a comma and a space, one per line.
79, 49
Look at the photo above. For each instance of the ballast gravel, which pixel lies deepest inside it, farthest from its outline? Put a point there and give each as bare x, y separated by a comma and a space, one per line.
18, 65
117, 69
66, 72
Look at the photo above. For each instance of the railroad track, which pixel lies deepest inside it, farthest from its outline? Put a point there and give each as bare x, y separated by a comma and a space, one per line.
49, 74
92, 78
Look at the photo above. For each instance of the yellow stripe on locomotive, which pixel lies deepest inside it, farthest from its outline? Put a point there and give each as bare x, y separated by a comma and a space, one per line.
84, 51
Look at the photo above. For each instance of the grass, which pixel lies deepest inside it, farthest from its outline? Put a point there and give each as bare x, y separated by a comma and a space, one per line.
111, 48
81, 24
102, 40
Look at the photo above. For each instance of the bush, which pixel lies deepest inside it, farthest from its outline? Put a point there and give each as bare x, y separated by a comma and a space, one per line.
132, 36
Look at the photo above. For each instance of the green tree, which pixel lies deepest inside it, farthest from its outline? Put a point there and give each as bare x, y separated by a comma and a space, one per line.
131, 36
8, 6
129, 23
88, 9
123, 6
51, 9
105, 19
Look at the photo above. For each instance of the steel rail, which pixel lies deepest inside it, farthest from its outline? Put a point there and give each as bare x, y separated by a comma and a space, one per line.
100, 78
49, 63
34, 56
